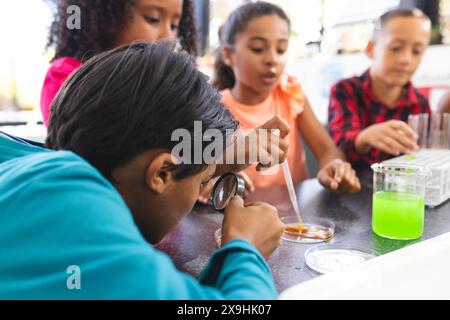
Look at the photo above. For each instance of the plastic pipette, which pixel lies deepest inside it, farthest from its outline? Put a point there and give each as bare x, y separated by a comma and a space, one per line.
291, 190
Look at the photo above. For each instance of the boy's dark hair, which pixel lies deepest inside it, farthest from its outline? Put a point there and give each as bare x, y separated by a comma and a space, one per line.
399, 12
101, 20
130, 100
235, 24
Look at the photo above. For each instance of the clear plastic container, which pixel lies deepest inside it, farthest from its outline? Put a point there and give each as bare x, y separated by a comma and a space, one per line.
334, 257
433, 131
324, 227
438, 184
398, 204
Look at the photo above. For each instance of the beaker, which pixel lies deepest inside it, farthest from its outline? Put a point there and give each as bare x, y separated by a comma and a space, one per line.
398, 200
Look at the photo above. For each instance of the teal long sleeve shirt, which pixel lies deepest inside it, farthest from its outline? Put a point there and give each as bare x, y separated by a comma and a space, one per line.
66, 233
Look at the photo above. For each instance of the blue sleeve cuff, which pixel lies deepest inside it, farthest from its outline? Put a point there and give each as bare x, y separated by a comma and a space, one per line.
238, 267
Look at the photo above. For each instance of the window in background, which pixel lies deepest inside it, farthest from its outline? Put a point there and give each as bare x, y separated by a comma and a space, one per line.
348, 24
219, 12
23, 62
328, 26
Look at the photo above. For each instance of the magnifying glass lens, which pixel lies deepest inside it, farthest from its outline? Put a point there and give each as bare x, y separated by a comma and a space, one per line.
228, 186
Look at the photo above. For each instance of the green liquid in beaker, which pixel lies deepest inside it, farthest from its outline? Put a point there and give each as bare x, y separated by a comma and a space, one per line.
398, 215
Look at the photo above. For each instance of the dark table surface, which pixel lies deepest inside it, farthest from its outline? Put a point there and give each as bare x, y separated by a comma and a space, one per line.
192, 242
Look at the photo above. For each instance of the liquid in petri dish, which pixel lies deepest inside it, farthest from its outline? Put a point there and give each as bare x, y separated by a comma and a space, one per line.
309, 232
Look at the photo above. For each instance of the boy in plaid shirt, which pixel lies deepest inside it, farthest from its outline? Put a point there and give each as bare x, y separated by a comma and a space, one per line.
367, 114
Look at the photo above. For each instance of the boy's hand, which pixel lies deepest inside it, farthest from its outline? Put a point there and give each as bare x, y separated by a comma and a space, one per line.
339, 176
394, 137
257, 222
205, 192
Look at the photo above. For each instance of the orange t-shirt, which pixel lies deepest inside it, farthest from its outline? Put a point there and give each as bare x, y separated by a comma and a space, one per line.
286, 101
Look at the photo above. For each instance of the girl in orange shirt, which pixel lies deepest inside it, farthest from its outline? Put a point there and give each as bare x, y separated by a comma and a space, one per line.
250, 73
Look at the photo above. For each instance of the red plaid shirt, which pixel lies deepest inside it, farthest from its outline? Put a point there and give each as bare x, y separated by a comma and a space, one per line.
353, 107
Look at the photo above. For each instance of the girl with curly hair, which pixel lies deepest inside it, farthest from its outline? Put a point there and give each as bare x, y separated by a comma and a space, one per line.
106, 24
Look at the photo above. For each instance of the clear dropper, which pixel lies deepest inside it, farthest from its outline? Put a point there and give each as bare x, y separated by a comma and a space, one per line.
291, 190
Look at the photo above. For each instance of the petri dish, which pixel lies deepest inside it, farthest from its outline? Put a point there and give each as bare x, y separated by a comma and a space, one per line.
320, 230
328, 258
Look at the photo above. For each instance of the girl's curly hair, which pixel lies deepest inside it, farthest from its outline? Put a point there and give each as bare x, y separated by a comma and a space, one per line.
101, 20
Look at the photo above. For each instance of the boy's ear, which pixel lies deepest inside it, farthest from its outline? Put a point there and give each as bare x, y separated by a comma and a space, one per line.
159, 172
227, 55
370, 49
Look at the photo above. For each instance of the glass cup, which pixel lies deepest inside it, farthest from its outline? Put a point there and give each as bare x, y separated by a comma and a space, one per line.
399, 200
419, 123
439, 135
433, 131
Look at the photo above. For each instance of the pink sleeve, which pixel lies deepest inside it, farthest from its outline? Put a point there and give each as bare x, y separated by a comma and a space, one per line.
57, 73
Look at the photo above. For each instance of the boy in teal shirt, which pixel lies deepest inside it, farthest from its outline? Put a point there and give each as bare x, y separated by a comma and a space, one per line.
79, 223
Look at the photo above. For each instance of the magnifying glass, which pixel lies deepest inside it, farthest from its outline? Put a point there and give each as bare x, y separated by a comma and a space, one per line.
228, 186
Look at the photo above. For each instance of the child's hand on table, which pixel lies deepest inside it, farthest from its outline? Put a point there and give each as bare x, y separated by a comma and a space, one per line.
339, 176
394, 137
